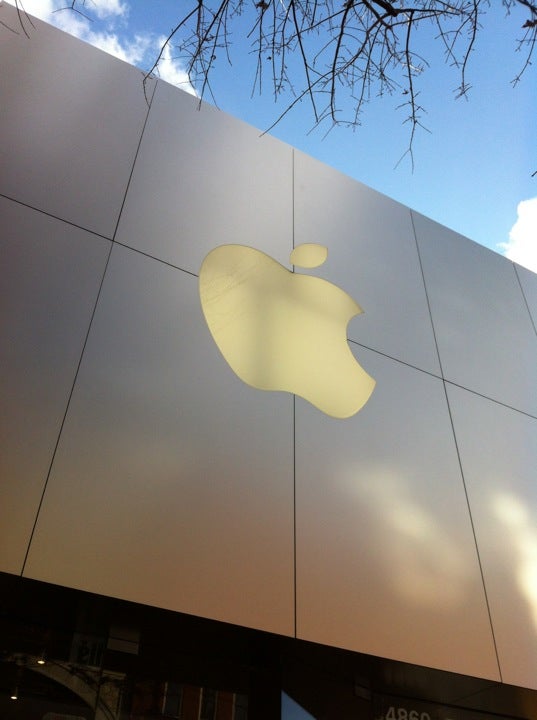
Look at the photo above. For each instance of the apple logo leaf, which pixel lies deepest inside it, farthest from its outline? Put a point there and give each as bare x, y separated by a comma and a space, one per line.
308, 255
280, 330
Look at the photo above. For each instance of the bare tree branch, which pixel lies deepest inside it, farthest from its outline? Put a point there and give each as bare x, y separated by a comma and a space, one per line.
336, 54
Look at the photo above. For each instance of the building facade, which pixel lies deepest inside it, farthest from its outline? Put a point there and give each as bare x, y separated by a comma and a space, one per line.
168, 532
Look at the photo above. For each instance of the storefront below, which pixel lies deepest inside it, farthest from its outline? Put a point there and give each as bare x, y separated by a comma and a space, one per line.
69, 655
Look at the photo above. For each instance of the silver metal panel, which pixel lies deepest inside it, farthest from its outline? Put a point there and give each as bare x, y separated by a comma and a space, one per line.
203, 179
528, 281
386, 559
498, 449
485, 336
173, 481
50, 278
371, 254
70, 124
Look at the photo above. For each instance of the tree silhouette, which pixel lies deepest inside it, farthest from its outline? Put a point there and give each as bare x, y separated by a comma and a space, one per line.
335, 54
338, 54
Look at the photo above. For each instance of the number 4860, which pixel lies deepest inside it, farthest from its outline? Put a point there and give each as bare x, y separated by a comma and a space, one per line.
399, 713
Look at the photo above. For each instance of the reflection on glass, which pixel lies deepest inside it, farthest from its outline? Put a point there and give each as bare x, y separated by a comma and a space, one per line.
188, 668
104, 660
291, 710
84, 693
516, 517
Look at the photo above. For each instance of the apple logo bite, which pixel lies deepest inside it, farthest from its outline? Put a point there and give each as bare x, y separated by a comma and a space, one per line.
280, 330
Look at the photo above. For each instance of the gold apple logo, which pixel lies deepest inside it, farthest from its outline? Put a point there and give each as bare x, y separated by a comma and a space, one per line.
279, 330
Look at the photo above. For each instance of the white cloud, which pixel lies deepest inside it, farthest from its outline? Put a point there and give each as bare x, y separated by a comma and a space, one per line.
522, 245
39, 9
68, 21
171, 70
108, 8
52, 10
132, 51
57, 13
140, 50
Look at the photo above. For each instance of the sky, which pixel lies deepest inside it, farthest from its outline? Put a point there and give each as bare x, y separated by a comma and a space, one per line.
472, 167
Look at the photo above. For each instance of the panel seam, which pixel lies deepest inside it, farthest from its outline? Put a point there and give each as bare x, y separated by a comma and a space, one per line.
458, 454
525, 299
56, 217
75, 378
473, 532
426, 293
56, 445
157, 259
149, 106
439, 377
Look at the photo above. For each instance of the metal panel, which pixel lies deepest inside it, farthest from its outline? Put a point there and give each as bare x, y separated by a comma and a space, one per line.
172, 484
51, 273
386, 559
484, 332
204, 179
528, 281
371, 254
498, 449
70, 124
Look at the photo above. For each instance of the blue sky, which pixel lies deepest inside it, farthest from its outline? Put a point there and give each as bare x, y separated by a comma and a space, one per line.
472, 171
